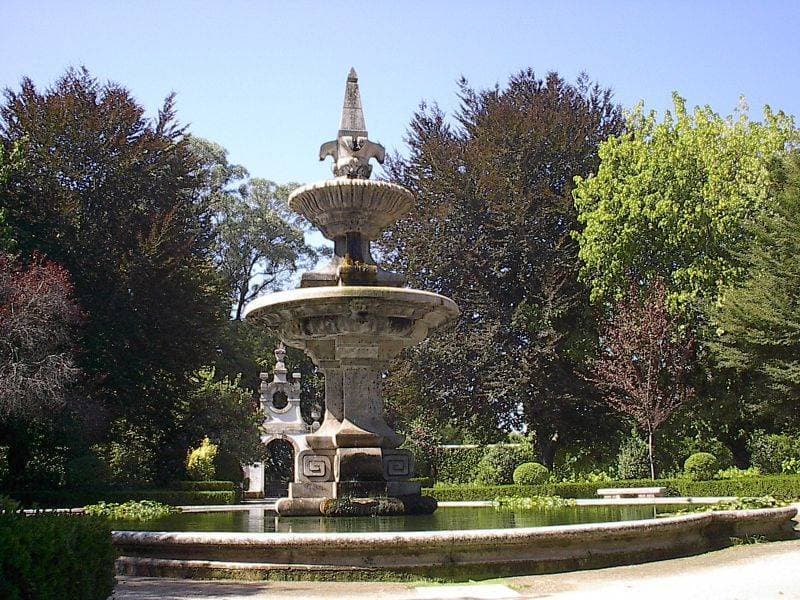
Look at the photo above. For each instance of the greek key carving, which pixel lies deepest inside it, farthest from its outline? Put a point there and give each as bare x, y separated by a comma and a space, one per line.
316, 466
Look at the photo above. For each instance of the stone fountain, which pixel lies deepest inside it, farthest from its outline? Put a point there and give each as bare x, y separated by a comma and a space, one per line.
351, 317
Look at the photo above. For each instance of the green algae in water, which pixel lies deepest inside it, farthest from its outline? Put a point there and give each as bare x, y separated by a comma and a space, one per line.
256, 520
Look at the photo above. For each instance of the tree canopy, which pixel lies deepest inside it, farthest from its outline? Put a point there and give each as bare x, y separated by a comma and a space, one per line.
758, 321
491, 228
670, 199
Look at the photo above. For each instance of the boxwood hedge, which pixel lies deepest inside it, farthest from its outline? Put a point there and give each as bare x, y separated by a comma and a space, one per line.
783, 486
51, 557
70, 499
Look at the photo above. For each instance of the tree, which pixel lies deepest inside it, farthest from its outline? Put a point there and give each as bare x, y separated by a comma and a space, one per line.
7, 163
258, 244
758, 321
491, 228
116, 199
646, 360
670, 200
38, 323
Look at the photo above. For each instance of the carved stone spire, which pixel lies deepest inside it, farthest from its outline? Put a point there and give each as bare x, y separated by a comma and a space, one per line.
352, 122
352, 150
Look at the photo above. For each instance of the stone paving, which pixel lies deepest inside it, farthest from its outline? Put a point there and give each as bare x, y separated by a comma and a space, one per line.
750, 572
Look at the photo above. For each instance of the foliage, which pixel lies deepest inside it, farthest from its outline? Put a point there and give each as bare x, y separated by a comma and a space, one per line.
49, 557
757, 328
8, 162
670, 199
499, 462
118, 204
745, 503
459, 465
423, 441
701, 466
645, 361
768, 452
780, 486
130, 455
88, 471
133, 510
205, 486
226, 412
491, 229
38, 320
530, 502
633, 458
377, 507
60, 498
531, 473
257, 243
721, 451
737, 473
200, 461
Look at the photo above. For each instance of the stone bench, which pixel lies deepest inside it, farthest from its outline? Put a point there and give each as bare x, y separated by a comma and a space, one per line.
638, 492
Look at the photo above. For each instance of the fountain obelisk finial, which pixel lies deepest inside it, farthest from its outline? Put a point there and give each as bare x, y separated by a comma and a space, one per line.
352, 149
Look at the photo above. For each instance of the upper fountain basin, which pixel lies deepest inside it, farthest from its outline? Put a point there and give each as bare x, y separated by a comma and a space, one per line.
343, 205
340, 322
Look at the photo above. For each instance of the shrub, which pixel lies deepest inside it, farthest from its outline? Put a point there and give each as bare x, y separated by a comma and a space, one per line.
74, 499
133, 510
459, 465
736, 473
769, 451
701, 466
531, 502
531, 473
131, 457
633, 460
86, 472
200, 461
205, 486
780, 486
713, 446
498, 464
47, 556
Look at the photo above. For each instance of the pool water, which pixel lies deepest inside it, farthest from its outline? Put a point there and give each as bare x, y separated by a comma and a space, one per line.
257, 520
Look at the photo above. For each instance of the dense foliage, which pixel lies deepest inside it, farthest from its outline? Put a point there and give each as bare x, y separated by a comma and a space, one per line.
142, 510
50, 557
531, 473
492, 229
499, 463
670, 199
701, 466
200, 461
758, 321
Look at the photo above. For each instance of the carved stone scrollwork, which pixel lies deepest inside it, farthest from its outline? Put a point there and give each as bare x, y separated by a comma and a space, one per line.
316, 467
397, 465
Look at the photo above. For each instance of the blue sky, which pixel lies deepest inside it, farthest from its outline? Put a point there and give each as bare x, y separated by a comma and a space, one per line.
266, 79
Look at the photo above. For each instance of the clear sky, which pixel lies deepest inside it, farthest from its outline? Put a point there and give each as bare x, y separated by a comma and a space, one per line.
266, 79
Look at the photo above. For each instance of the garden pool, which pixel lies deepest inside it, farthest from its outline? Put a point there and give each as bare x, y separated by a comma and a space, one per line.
258, 520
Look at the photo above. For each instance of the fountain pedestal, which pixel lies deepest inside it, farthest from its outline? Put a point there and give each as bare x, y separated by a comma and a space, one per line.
352, 318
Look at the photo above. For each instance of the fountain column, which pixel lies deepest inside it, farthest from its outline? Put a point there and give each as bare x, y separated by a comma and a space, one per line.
352, 318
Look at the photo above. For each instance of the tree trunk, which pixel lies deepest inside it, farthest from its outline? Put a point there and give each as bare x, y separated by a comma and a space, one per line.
650, 453
547, 444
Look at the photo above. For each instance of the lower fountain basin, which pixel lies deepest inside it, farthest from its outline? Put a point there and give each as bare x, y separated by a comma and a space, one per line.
440, 555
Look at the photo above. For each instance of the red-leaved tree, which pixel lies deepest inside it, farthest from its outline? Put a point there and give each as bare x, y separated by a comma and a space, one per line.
646, 360
38, 316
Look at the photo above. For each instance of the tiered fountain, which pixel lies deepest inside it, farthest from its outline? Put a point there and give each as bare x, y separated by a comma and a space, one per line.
351, 318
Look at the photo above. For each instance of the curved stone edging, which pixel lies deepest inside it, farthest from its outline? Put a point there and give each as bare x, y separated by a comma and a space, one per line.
444, 555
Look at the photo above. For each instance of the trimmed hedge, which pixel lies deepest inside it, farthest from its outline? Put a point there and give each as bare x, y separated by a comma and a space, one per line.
784, 486
205, 486
459, 465
68, 499
50, 557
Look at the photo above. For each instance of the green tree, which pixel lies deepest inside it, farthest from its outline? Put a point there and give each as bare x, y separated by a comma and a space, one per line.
117, 200
758, 321
670, 200
491, 228
258, 243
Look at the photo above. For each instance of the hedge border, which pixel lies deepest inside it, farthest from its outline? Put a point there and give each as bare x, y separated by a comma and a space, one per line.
66, 499
784, 486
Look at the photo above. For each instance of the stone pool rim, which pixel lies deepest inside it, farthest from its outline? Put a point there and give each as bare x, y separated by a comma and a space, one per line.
454, 555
